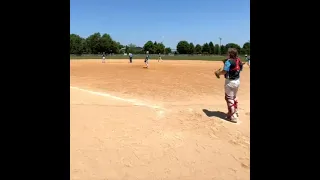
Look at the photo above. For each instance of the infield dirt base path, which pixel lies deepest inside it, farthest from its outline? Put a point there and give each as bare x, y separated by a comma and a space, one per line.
165, 122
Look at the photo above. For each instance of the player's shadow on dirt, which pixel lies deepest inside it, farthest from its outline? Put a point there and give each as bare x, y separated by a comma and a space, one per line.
218, 114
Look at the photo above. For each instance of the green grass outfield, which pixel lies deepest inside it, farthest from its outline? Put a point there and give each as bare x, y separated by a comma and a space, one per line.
155, 57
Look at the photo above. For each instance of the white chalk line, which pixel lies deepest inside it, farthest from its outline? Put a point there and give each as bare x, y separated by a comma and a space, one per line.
132, 101
135, 102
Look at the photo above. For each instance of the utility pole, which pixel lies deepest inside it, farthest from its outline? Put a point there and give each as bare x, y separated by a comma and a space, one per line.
162, 39
220, 46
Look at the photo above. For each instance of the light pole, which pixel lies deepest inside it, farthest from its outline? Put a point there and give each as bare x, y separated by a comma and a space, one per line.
162, 39
220, 46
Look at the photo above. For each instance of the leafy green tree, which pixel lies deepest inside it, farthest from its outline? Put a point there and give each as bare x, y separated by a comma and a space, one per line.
155, 44
183, 47
131, 48
205, 48
85, 47
120, 46
149, 46
191, 48
93, 42
76, 44
198, 49
223, 49
211, 47
216, 49
96, 43
167, 50
233, 45
159, 48
246, 48
105, 44
114, 47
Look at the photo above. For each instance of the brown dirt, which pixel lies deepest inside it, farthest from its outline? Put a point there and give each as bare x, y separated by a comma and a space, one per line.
117, 139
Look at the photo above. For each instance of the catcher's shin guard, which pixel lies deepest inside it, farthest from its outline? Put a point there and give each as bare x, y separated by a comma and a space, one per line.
232, 105
236, 106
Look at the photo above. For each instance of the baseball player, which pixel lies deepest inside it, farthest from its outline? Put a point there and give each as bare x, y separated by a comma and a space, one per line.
130, 57
159, 58
248, 59
147, 60
231, 71
103, 57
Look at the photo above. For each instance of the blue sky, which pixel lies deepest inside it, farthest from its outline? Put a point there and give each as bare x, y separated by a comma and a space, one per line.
137, 21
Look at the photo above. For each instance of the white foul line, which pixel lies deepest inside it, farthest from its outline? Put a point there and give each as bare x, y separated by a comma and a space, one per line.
132, 101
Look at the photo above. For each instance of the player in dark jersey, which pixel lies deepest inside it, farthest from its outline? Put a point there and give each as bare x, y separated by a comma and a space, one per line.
231, 71
130, 57
146, 61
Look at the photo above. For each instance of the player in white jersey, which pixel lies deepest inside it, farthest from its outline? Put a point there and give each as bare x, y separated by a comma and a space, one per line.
103, 57
159, 58
248, 59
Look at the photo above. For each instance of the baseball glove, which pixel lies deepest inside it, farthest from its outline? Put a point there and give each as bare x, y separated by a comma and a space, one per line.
217, 73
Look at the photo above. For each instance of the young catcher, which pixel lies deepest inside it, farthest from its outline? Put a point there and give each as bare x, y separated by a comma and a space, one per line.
103, 57
130, 57
231, 71
146, 61
159, 58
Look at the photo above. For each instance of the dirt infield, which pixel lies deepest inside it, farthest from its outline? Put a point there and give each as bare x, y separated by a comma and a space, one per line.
165, 122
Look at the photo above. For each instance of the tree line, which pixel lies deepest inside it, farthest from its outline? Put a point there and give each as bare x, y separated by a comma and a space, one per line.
98, 44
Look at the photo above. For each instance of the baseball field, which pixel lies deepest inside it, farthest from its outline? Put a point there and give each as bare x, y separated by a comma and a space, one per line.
166, 122
155, 56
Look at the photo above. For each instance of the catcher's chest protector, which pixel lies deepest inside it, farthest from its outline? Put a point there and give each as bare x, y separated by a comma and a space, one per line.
234, 72
236, 65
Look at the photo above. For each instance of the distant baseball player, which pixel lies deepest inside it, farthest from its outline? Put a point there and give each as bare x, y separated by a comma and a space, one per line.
159, 58
103, 57
231, 71
248, 59
146, 61
130, 57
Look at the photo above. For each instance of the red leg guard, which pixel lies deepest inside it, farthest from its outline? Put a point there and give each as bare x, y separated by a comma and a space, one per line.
235, 103
231, 104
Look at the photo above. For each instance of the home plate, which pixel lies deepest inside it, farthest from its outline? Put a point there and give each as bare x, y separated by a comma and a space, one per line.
238, 122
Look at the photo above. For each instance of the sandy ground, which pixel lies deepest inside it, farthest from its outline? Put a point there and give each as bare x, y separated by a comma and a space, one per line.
165, 122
